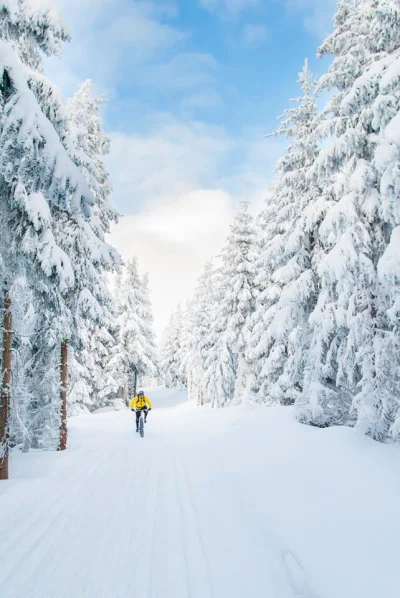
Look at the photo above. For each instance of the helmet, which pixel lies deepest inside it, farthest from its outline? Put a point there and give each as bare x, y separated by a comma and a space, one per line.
140, 393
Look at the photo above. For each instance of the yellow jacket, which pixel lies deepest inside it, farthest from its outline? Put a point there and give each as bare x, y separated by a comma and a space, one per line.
140, 403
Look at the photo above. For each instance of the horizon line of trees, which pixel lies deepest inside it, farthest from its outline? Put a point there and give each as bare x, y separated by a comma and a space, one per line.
303, 307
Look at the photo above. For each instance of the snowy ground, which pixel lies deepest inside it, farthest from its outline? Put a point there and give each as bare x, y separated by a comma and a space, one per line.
210, 504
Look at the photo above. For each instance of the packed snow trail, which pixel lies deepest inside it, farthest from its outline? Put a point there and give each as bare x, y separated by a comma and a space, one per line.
210, 504
117, 518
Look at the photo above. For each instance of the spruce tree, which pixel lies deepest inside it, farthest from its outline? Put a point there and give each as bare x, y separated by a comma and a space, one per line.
55, 209
88, 145
171, 351
346, 379
45, 182
202, 310
237, 294
133, 355
286, 275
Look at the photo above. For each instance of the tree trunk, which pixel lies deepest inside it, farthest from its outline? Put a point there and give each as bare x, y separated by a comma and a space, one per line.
5, 387
64, 375
124, 394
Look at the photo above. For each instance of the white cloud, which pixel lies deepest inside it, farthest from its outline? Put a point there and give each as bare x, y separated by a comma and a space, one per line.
112, 37
255, 35
173, 239
203, 100
173, 157
229, 7
176, 217
317, 14
186, 70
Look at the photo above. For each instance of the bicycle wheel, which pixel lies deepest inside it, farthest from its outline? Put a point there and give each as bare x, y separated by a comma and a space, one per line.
141, 426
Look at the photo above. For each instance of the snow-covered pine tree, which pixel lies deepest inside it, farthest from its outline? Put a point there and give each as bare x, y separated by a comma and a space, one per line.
150, 343
24, 327
187, 355
34, 30
171, 351
167, 355
347, 374
32, 189
378, 404
88, 144
285, 274
387, 160
183, 356
115, 380
201, 317
389, 350
134, 354
265, 230
237, 293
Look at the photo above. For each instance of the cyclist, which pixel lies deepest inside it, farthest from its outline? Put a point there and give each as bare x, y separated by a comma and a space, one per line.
141, 403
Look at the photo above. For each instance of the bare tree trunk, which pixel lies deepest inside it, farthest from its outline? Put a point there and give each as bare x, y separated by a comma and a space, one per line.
64, 375
5, 387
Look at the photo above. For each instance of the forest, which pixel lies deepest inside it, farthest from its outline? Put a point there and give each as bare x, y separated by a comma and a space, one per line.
301, 308
262, 456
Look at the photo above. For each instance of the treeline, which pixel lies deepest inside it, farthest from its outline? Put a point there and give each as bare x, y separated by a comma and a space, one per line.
303, 306
62, 327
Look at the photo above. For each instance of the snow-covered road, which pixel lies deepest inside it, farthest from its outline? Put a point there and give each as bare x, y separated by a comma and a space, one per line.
182, 513
118, 516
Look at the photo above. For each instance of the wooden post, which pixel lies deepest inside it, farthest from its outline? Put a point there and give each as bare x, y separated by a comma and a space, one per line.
64, 375
5, 387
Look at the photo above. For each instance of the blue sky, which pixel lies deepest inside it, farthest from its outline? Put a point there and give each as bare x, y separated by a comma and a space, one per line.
235, 70
194, 85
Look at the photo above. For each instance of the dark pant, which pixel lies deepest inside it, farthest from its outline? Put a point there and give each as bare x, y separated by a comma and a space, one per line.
138, 412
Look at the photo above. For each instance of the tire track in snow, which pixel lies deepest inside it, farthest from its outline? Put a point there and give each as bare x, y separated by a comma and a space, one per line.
297, 576
34, 553
25, 524
163, 543
156, 515
283, 562
131, 537
142, 540
193, 544
120, 502
180, 523
255, 566
25, 527
198, 534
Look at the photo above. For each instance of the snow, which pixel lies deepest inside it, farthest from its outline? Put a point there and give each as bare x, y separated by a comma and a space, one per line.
392, 131
211, 503
25, 110
38, 211
391, 77
389, 264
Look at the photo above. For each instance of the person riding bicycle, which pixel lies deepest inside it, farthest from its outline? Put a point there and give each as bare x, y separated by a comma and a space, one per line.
141, 403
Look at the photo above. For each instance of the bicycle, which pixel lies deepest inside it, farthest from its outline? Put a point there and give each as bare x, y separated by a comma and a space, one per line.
141, 422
